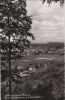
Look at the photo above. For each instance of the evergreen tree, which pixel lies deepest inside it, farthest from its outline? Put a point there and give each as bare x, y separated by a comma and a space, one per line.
15, 28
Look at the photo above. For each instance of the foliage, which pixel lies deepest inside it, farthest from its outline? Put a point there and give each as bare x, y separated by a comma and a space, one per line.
50, 1
15, 28
15, 23
47, 81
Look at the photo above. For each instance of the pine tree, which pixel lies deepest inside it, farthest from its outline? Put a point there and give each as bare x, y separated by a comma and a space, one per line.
15, 28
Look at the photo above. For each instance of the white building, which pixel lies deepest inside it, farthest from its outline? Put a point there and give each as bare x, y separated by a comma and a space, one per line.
32, 69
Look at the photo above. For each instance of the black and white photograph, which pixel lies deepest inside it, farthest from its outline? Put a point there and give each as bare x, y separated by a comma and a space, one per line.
32, 49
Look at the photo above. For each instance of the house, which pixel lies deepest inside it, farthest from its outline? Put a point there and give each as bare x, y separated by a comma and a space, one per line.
32, 69
23, 74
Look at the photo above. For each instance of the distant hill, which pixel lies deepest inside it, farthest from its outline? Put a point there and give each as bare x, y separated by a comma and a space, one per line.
49, 44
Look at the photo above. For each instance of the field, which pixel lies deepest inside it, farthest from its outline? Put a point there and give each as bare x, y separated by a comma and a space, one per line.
37, 59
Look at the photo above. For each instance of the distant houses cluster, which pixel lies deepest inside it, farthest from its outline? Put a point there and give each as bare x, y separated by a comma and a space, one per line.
42, 51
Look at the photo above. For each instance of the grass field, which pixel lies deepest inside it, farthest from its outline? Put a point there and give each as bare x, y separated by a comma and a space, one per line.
37, 59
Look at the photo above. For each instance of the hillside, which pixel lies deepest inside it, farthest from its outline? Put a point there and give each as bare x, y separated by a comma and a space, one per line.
47, 80
49, 44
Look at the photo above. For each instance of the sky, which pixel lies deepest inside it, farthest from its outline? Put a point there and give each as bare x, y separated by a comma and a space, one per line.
47, 21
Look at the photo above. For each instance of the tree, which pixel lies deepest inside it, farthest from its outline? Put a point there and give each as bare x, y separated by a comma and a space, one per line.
15, 28
50, 1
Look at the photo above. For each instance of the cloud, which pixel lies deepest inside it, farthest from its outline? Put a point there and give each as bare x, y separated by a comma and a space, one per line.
48, 22
33, 6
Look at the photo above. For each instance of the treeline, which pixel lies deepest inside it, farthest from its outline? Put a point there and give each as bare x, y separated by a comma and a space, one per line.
50, 45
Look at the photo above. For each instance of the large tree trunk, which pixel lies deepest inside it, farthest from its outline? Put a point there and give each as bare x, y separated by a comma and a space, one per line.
10, 83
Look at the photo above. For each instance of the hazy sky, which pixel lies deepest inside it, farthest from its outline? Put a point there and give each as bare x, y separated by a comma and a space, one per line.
48, 21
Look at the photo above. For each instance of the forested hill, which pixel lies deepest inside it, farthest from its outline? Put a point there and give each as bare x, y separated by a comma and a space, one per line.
49, 44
